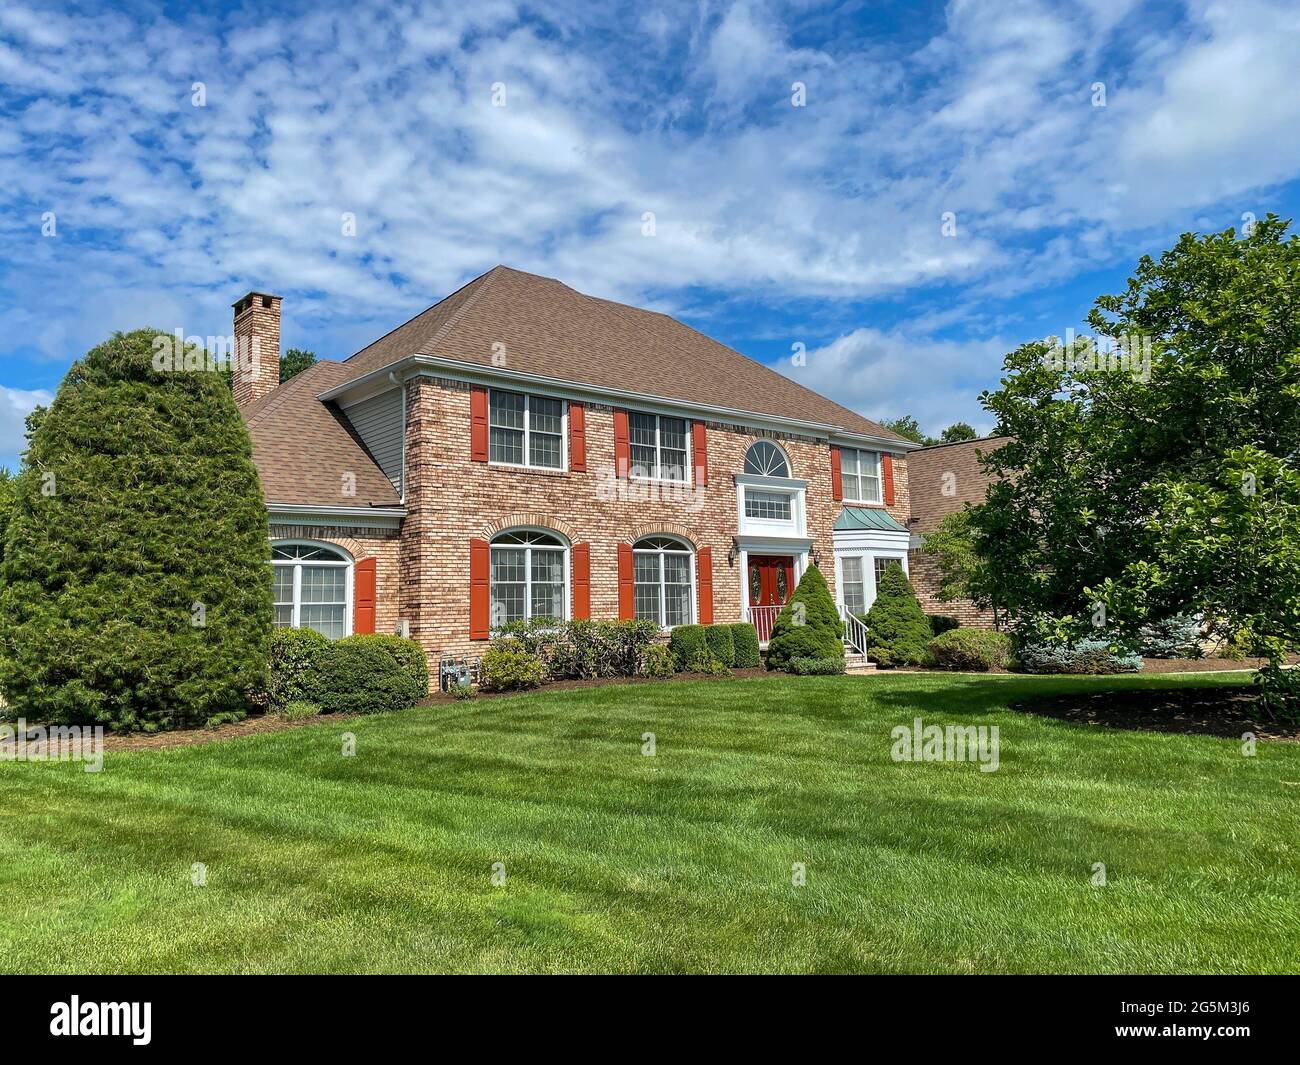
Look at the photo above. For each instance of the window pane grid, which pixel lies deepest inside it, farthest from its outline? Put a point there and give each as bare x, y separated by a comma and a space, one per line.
529, 580
860, 472
307, 595
772, 506
661, 574
526, 430
657, 446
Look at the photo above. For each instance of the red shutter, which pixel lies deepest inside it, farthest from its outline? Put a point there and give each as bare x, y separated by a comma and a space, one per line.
622, 452
363, 596
837, 479
478, 423
887, 475
577, 438
581, 558
479, 563
626, 589
704, 581
700, 444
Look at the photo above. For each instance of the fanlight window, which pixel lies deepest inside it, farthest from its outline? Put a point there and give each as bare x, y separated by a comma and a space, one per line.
663, 581
765, 459
529, 577
311, 588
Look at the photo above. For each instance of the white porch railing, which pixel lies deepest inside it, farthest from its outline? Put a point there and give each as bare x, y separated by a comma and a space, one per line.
762, 618
855, 633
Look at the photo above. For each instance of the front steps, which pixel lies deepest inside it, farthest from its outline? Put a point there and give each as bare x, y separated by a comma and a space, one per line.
857, 663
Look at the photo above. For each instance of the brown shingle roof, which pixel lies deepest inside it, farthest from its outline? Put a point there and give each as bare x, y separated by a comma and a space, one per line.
925, 479
303, 447
553, 331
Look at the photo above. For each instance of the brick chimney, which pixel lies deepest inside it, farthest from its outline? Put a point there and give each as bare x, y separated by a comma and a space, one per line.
257, 347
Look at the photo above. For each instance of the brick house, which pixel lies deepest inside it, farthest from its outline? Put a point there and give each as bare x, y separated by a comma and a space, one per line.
521, 449
944, 479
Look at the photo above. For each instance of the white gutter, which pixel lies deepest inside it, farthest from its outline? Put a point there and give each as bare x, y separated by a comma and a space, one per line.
473, 372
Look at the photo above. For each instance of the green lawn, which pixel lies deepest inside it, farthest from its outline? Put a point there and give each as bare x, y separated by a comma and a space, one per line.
616, 861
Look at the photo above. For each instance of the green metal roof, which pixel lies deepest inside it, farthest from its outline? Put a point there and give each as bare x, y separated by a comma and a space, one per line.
877, 518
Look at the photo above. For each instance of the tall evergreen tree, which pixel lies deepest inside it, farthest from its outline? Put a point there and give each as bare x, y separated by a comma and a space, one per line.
136, 585
809, 626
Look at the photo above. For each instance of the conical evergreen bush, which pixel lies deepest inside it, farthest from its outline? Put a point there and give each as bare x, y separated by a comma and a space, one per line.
898, 632
136, 584
809, 626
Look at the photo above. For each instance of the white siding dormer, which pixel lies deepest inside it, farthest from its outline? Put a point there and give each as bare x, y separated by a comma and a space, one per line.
379, 422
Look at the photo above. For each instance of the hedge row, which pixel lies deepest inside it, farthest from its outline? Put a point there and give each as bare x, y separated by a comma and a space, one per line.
527, 654
364, 674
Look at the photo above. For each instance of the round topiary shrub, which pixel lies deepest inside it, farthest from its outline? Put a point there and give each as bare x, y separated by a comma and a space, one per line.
744, 638
360, 678
971, 650
721, 643
898, 632
136, 576
406, 653
809, 626
689, 644
295, 653
504, 670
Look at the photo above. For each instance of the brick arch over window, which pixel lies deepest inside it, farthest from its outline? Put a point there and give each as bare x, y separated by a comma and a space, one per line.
664, 529
534, 519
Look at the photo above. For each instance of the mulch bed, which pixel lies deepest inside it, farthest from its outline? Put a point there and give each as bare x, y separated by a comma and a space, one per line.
146, 741
602, 682
1227, 712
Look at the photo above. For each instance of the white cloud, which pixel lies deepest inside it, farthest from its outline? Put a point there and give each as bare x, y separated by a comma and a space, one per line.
168, 212
15, 405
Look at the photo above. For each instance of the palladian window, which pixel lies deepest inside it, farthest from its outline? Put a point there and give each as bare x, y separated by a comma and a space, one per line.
664, 579
311, 588
529, 577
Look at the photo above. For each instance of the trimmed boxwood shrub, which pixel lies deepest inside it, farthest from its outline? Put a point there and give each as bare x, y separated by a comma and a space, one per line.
360, 677
406, 653
136, 578
721, 643
898, 633
688, 644
971, 650
503, 670
295, 653
809, 626
744, 638
1087, 656
816, 667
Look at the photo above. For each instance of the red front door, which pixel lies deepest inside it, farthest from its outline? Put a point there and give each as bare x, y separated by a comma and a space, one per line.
771, 580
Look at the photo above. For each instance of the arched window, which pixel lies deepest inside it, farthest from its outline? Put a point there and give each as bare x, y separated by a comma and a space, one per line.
313, 588
530, 577
664, 578
765, 459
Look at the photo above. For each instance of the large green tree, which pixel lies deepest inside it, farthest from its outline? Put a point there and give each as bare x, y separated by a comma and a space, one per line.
1154, 473
136, 585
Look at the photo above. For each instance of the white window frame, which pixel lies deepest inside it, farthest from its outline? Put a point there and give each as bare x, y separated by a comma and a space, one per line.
868, 555
347, 562
562, 544
632, 467
527, 431
859, 454
692, 564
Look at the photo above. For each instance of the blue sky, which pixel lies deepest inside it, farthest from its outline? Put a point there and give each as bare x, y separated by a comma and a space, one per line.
774, 224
